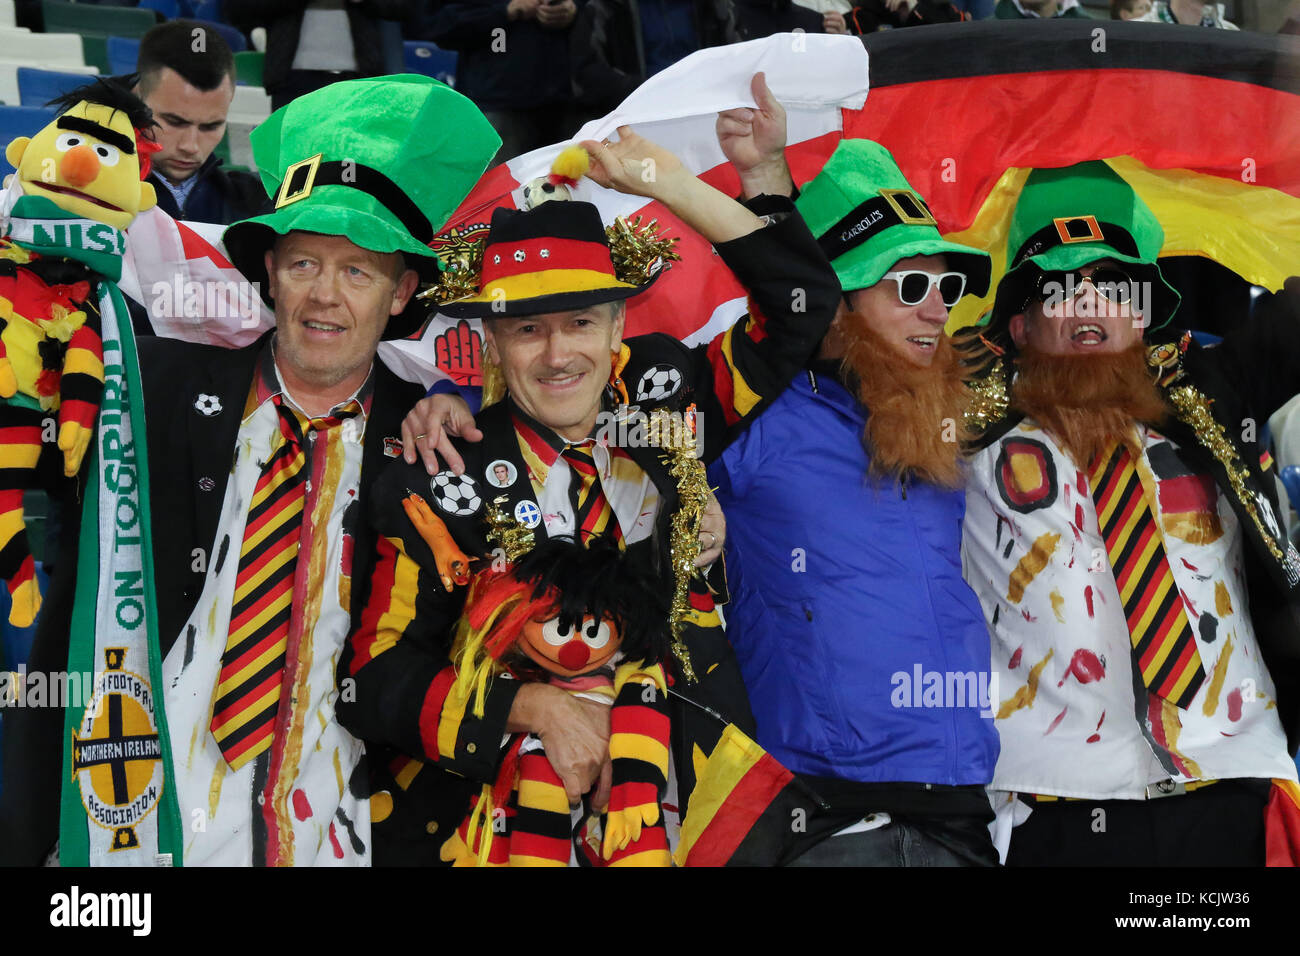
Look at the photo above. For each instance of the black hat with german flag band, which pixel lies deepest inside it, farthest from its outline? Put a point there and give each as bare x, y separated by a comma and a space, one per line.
552, 258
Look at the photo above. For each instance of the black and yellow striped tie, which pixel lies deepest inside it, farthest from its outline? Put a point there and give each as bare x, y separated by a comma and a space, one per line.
1164, 646
592, 513
252, 665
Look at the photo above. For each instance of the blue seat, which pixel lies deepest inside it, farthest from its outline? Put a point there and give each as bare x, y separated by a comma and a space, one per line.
38, 87
123, 52
431, 60
18, 121
206, 10
236, 40
171, 9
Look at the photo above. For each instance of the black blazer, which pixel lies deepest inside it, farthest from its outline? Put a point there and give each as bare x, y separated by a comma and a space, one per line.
189, 464
190, 459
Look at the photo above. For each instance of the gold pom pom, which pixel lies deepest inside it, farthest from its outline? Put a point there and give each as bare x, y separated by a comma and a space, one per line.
570, 165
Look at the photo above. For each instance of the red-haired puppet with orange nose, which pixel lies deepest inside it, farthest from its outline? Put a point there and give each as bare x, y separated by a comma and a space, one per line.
585, 619
81, 183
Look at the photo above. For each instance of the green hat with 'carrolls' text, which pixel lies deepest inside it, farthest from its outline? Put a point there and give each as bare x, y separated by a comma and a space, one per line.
867, 217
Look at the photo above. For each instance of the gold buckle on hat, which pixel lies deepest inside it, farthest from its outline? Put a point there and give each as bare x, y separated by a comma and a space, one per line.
287, 194
916, 214
1064, 229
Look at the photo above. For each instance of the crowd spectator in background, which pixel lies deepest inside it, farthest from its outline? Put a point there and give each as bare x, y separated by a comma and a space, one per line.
312, 43
1189, 12
1039, 9
514, 64
1129, 9
619, 44
1285, 426
762, 18
833, 13
868, 16
189, 85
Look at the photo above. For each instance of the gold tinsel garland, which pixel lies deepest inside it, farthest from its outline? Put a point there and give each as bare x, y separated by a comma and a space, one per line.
507, 532
1193, 409
461, 252
988, 401
675, 434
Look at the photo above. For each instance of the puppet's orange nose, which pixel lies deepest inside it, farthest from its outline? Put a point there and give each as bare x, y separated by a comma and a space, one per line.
79, 166
574, 655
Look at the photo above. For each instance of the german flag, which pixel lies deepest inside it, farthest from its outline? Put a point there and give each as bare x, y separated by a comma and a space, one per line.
746, 808
1205, 125
1282, 825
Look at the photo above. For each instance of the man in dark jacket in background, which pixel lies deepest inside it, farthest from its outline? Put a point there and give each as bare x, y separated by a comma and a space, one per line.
514, 65
762, 18
313, 43
619, 44
189, 91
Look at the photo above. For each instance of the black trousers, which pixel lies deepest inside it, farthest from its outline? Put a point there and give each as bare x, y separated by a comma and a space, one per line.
301, 82
1218, 825
912, 842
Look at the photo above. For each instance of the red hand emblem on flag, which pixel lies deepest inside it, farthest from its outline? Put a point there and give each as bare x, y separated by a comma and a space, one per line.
459, 352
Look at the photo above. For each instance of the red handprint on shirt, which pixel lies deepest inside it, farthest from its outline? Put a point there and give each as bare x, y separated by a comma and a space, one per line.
459, 353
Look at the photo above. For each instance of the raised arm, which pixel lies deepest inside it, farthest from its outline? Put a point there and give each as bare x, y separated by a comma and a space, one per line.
793, 292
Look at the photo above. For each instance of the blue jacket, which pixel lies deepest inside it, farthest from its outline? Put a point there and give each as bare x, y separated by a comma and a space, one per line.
847, 593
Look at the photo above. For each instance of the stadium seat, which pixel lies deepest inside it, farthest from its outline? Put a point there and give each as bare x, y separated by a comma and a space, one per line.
88, 18
171, 9
95, 24
233, 37
18, 121
250, 106
38, 87
51, 50
206, 10
430, 60
249, 66
123, 52
9, 93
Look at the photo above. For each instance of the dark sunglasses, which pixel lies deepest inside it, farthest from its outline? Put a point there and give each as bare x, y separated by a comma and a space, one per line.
1113, 285
914, 286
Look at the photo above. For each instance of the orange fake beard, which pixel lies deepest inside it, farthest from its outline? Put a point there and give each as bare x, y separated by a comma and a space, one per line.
1088, 401
914, 413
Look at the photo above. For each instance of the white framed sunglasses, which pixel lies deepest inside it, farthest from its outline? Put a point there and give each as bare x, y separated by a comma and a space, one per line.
914, 285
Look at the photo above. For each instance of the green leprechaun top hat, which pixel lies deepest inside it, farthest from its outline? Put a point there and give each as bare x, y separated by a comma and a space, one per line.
867, 217
553, 258
1066, 218
383, 161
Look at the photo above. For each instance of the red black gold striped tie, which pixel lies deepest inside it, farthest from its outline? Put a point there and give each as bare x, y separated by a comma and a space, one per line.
1164, 647
592, 514
252, 665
